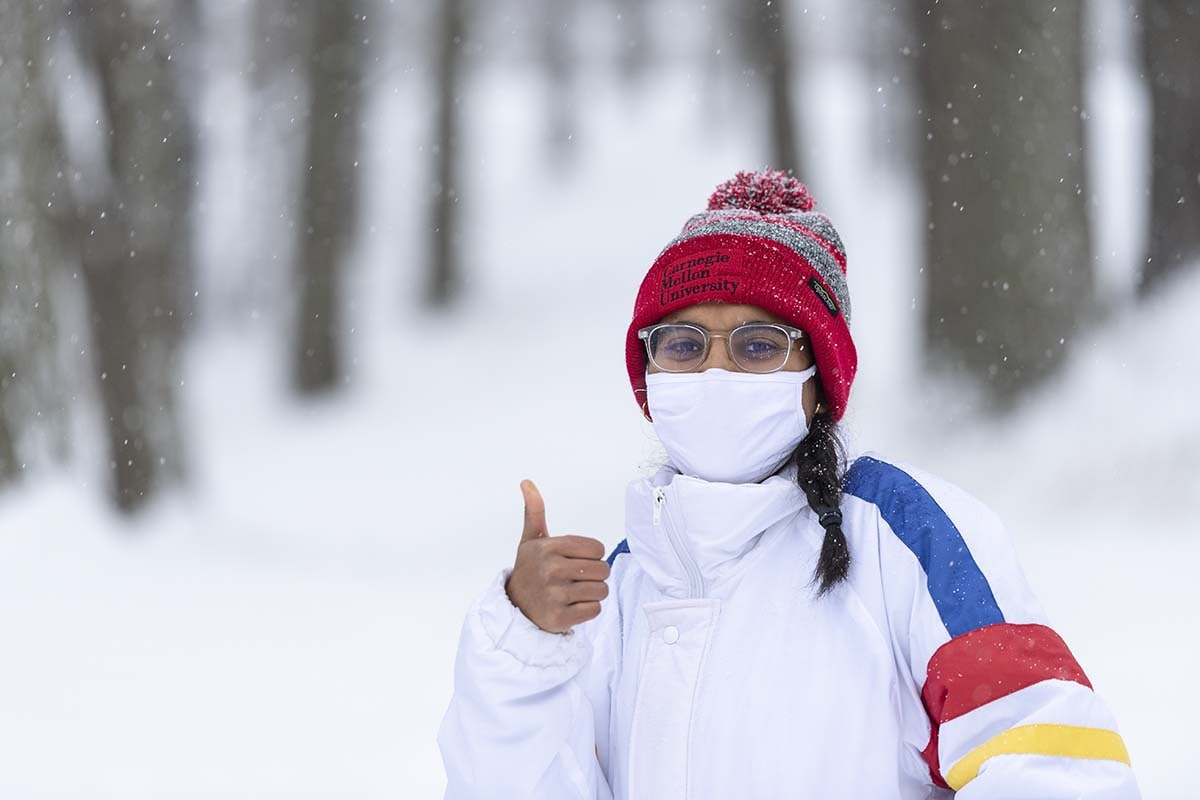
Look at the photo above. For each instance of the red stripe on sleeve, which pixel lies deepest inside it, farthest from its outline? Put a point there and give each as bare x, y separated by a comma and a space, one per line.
989, 663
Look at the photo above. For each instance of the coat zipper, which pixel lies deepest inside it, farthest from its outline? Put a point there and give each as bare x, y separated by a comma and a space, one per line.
684, 556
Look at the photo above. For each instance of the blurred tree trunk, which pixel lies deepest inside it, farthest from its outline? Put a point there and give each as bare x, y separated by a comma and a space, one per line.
768, 49
10, 465
444, 279
558, 63
1008, 275
282, 31
330, 204
35, 205
635, 41
278, 76
135, 243
1172, 63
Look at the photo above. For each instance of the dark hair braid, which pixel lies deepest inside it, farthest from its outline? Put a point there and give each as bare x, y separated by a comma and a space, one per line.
819, 461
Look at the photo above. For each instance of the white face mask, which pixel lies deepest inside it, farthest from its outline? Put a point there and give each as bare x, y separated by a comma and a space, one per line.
728, 427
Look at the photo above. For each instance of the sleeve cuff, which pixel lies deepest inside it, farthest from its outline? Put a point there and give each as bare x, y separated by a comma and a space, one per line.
510, 631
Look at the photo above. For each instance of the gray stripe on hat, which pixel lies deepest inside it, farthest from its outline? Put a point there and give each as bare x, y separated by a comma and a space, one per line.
815, 221
820, 225
805, 246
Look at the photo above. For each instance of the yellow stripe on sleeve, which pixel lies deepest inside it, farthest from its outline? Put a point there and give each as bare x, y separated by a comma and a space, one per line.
1069, 741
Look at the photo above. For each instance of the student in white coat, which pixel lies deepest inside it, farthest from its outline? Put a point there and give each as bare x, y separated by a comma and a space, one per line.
778, 623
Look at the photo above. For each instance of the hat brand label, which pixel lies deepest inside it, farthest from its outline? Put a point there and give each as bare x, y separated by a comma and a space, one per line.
703, 273
821, 293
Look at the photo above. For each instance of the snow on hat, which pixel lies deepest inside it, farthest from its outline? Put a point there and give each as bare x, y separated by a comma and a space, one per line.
759, 243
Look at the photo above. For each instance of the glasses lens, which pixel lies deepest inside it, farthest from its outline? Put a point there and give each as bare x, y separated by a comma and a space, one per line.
676, 348
760, 348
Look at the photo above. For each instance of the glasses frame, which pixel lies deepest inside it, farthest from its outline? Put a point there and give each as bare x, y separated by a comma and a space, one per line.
793, 335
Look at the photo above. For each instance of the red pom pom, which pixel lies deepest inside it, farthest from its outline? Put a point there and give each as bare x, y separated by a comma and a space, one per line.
767, 192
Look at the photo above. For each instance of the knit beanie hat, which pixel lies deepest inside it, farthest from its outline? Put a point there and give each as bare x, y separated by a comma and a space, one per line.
759, 243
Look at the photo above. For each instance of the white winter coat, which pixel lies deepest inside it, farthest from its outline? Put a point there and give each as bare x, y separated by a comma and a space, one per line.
714, 672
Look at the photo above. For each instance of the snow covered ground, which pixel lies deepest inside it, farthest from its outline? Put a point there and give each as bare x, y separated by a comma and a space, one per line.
286, 626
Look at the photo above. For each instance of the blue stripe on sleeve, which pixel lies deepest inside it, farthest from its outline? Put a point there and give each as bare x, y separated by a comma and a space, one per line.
960, 590
623, 547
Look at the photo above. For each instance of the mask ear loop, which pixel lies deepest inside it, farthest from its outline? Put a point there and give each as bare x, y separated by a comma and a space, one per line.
645, 404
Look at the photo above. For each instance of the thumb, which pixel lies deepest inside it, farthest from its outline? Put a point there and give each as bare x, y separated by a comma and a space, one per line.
535, 512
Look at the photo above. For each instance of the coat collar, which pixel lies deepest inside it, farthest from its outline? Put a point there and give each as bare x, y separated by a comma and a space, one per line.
689, 535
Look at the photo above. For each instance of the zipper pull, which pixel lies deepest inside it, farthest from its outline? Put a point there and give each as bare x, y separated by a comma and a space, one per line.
660, 496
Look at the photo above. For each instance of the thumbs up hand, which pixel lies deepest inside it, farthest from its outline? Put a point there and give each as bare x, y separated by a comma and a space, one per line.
557, 581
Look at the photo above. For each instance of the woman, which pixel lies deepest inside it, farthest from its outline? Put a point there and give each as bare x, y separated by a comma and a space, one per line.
775, 624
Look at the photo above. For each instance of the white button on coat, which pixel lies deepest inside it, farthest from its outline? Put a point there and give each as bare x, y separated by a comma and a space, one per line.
670, 634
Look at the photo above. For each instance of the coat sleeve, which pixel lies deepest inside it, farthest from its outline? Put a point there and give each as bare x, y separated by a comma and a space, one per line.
527, 706
1010, 712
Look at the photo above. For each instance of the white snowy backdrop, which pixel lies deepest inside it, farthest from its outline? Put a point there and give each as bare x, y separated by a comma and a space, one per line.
285, 625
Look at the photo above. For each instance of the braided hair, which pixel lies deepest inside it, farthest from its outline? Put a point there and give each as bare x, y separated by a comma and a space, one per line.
820, 461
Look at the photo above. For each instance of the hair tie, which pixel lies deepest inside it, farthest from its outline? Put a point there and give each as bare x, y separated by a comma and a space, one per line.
830, 518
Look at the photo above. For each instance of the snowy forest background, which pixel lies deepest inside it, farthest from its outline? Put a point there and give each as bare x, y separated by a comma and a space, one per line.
294, 294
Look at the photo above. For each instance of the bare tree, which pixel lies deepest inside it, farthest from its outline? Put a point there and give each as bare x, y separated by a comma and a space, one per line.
1172, 62
1008, 273
443, 277
558, 64
636, 45
134, 237
887, 50
35, 205
330, 204
763, 25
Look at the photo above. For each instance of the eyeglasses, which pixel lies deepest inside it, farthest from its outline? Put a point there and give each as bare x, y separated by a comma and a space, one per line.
759, 347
